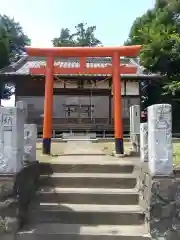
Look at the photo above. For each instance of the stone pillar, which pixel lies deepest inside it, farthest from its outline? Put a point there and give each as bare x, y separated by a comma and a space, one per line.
11, 139
159, 185
135, 127
144, 142
160, 139
30, 137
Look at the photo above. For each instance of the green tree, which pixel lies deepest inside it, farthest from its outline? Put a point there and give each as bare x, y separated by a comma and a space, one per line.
64, 40
158, 31
86, 36
15, 36
83, 36
12, 43
4, 48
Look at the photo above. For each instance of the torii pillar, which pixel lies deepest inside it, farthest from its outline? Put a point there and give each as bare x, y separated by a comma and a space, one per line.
48, 105
118, 121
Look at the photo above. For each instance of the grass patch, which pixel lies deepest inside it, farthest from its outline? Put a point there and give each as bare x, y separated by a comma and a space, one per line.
176, 153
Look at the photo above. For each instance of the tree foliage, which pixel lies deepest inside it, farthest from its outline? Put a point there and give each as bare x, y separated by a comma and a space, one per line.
12, 43
83, 36
4, 48
158, 31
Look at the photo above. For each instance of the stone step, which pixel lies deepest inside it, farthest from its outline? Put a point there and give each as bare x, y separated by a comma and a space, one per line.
56, 231
89, 180
78, 167
87, 214
89, 196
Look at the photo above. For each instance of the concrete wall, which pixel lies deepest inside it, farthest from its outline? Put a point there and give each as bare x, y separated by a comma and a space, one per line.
100, 109
101, 105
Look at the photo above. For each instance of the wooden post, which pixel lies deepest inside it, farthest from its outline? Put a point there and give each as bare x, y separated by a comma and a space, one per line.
118, 126
48, 106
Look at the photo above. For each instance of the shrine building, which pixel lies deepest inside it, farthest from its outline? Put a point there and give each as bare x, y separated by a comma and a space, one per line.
81, 102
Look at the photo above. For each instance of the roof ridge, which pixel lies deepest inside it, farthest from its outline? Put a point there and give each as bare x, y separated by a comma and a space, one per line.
15, 65
76, 59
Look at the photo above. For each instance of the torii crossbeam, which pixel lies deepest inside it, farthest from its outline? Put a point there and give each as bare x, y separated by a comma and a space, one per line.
82, 52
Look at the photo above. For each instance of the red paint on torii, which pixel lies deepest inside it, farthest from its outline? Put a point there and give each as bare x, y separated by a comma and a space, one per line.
128, 51
82, 52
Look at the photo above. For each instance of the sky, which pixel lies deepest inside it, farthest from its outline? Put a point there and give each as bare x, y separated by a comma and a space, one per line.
42, 20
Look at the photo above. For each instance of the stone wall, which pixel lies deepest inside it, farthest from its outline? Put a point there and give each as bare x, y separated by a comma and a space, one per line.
18, 178
160, 200
16, 193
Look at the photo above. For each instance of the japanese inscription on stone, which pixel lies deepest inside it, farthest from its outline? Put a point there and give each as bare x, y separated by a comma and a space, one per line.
11, 139
160, 139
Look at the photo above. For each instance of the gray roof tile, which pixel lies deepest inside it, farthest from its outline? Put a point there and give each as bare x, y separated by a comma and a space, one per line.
22, 67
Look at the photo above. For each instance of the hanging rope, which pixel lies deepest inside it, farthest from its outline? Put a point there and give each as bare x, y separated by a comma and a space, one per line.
91, 101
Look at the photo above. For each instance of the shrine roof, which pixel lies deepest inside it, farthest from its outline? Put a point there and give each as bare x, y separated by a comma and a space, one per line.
23, 66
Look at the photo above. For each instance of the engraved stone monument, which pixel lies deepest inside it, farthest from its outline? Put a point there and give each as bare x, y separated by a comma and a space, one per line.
144, 142
160, 139
30, 137
11, 139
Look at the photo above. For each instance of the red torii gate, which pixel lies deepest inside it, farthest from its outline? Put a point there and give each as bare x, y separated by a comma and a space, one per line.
82, 52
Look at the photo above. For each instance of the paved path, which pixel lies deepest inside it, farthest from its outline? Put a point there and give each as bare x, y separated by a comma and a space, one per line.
88, 152
81, 147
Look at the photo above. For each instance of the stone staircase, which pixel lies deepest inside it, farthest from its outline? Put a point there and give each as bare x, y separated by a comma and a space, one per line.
84, 201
